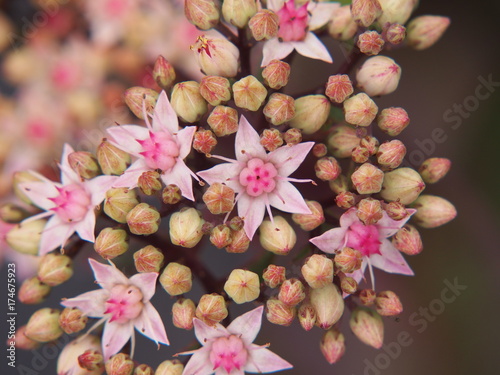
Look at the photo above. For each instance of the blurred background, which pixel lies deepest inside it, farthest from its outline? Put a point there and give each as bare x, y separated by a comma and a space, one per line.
63, 76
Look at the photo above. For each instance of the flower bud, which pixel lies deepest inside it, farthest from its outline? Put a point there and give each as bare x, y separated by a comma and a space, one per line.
367, 297
345, 199
318, 271
342, 26
84, 164
278, 237
69, 359
342, 141
395, 33
174, 367
433, 211
33, 291
187, 101
327, 168
292, 292
91, 360
390, 154
348, 260
249, 93
264, 25
279, 313
403, 184
242, 286
204, 141
360, 110
360, 154
221, 236
396, 210
120, 364
370, 43
148, 259
183, 312
379, 75
332, 345
369, 211
112, 160
143, 219
396, 11
216, 56
279, 109
311, 113
239, 242
424, 31
367, 179
273, 275
339, 88
276, 74
319, 150
171, 194
22, 341
211, 309
176, 279
163, 73
215, 89
119, 202
236, 223
370, 143
72, 320
271, 139
140, 98
43, 326
54, 269
368, 327
149, 182
238, 12
111, 242
407, 240
223, 120
292, 136
365, 12
204, 14
25, 237
340, 185
219, 198
12, 214
144, 369
434, 169
18, 179
387, 303
328, 304
393, 120
310, 221
307, 316
185, 227
348, 285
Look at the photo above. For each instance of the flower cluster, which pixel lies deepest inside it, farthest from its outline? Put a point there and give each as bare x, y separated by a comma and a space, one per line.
230, 161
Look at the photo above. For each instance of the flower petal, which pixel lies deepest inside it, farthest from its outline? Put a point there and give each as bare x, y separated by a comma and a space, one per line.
262, 360
252, 211
180, 175
359, 274
287, 198
313, 48
85, 227
184, 138
388, 227
247, 142
115, 337
124, 137
332, 240
204, 332
55, 234
199, 363
93, 303
98, 186
130, 177
146, 282
274, 49
390, 260
107, 276
321, 13
220, 173
39, 193
349, 217
164, 116
68, 175
149, 323
288, 158
247, 326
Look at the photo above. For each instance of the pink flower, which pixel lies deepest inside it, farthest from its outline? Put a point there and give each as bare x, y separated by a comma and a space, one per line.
122, 304
159, 146
261, 179
371, 240
230, 350
71, 204
295, 29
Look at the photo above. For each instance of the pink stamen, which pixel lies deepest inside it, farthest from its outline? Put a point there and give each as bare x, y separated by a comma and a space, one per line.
72, 203
159, 150
228, 353
364, 238
124, 303
258, 177
293, 22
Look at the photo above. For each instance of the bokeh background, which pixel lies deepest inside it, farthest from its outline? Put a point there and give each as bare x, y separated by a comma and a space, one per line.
459, 337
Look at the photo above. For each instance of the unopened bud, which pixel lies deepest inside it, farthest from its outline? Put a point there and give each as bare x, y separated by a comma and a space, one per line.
395, 33
348, 260
396, 210
149, 182
343, 140
360, 154
307, 316
19, 178
12, 214
242, 286
148, 259
311, 113
211, 309
370, 143
319, 150
112, 160
33, 291
163, 73
280, 108
144, 369
339, 88
91, 360
274, 275
271, 139
204, 141
264, 25
292, 136
403, 184
277, 237
367, 297
111, 242
292, 292
340, 185
174, 367
239, 242
220, 236
88, 347
367, 179
390, 154
204, 14
396, 11
365, 12
370, 43
25, 237
332, 345
216, 56
238, 12
215, 89
249, 93
236, 223
176, 279
43, 326
183, 312
318, 271
120, 364
143, 219
424, 31
342, 26
219, 198
393, 120
119, 202
345, 199
22, 341
327, 168
276, 74
407, 240
434, 169
328, 304
137, 98
348, 285
379, 75
223, 120
279, 313
360, 110
387, 303
84, 164
54, 269
310, 221
433, 211
369, 211
187, 101
72, 320
185, 228
171, 194
368, 326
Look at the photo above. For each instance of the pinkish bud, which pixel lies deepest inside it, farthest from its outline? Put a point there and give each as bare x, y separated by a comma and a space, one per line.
367, 179
238, 12
216, 56
307, 316
434, 169
292, 292
339, 88
223, 120
183, 312
274, 275
137, 98
348, 285
72, 320
396, 11
33, 291
185, 227
91, 360
393, 120
211, 309
379, 75
387, 303
55, 269
276, 74
367, 297
219, 198
239, 242
343, 140
390, 154
360, 110
370, 143
277, 237
204, 141
348, 260
327, 168
12, 214
279, 313
264, 25
332, 345
22, 341
236, 223
187, 101
144, 369
271, 139
345, 199
249, 93
292, 136
25, 237
20, 178
43, 326
174, 367
370, 43
360, 154
433, 211
112, 160
143, 219
119, 364
340, 185
395, 33
69, 359
318, 271
84, 164
204, 14
424, 31
220, 236
368, 327
215, 89
119, 202
176, 279
365, 12
396, 210
403, 185
319, 150
369, 211
310, 221
408, 241
148, 259
242, 286
149, 182
280, 108
311, 113
328, 304
342, 26
163, 73
171, 194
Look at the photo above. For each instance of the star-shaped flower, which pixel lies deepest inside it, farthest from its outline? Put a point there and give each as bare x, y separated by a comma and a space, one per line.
370, 240
122, 304
71, 203
231, 350
295, 30
161, 145
261, 179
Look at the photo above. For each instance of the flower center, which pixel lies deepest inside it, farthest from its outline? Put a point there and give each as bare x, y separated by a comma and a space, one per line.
124, 303
293, 22
159, 150
258, 177
72, 203
363, 238
228, 353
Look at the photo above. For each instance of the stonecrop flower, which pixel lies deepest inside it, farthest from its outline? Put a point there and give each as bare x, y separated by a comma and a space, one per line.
370, 240
295, 30
161, 145
122, 303
231, 350
71, 203
260, 179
